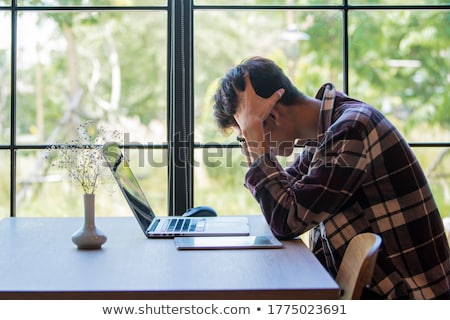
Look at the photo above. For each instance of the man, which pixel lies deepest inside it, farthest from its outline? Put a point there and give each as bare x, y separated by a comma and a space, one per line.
356, 174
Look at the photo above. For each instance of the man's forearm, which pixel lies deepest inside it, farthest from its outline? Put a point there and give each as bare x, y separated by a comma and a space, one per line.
254, 150
255, 142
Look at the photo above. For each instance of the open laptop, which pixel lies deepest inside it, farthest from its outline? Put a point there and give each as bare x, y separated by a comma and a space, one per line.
168, 226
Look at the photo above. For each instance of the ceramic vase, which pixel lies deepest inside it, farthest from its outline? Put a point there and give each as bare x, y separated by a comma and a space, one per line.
89, 236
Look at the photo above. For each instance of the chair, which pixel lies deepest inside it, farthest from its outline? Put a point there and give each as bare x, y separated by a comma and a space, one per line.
358, 264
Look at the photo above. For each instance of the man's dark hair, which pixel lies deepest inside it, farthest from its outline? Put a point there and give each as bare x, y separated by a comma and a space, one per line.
266, 78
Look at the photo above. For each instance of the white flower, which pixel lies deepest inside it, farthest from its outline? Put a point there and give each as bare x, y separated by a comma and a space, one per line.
82, 157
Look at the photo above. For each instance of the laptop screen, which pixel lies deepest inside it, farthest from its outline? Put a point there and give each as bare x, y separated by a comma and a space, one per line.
128, 184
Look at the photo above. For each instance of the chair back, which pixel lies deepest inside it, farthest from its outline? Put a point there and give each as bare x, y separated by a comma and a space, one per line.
358, 264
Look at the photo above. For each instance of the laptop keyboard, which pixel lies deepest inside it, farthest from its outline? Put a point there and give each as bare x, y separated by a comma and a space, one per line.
183, 225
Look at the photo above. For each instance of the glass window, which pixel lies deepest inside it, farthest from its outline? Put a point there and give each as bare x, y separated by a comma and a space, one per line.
402, 66
111, 3
150, 169
267, 2
91, 65
398, 2
43, 191
5, 77
218, 181
39, 184
296, 40
435, 161
5, 190
128, 65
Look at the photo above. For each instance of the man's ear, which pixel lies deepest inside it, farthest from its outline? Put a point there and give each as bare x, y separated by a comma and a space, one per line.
276, 113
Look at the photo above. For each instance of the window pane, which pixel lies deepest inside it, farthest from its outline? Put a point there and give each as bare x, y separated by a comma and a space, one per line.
268, 2
63, 3
150, 169
306, 44
91, 65
400, 62
435, 161
5, 190
45, 191
5, 77
218, 182
399, 2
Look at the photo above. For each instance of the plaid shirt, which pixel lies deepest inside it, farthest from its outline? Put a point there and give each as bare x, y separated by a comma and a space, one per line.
359, 176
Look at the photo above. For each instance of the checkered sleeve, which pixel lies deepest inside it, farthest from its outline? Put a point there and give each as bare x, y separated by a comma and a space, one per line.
336, 167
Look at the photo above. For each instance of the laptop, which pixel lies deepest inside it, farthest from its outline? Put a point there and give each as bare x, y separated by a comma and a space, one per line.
167, 226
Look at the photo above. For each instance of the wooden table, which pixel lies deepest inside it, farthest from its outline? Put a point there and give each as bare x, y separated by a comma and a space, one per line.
39, 261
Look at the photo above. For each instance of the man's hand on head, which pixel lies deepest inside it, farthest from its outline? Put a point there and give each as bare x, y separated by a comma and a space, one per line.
250, 115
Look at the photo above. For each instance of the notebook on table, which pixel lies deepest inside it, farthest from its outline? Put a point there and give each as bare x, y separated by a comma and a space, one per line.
165, 226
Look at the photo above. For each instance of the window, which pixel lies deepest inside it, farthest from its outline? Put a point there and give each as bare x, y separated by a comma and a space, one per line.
149, 68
